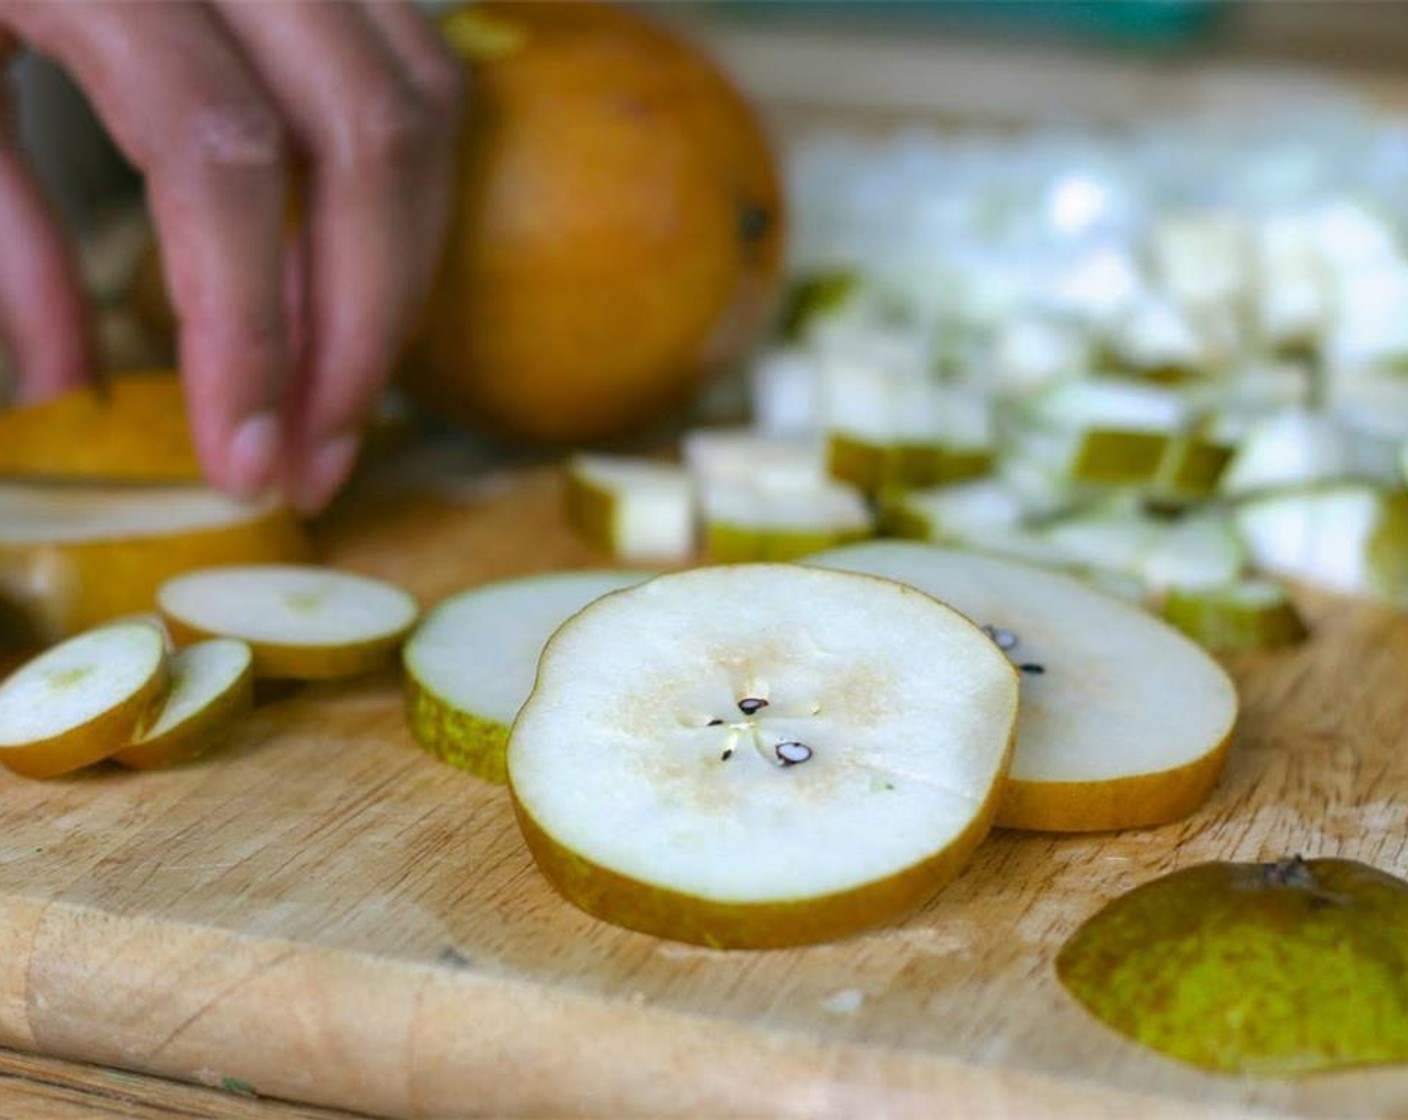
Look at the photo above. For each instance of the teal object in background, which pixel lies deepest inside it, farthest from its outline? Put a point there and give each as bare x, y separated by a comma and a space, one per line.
1132, 22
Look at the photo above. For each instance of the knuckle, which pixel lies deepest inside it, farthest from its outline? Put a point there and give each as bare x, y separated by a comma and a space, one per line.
392, 127
235, 136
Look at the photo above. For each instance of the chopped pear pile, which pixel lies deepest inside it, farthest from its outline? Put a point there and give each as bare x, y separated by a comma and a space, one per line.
1065, 353
101, 501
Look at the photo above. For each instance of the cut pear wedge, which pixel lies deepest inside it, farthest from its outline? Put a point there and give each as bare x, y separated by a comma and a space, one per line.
212, 687
83, 700
760, 755
131, 430
470, 663
1351, 538
72, 557
1124, 722
1249, 614
633, 509
1103, 431
302, 622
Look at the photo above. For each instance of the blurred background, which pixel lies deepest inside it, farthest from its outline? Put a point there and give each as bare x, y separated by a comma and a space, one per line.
999, 62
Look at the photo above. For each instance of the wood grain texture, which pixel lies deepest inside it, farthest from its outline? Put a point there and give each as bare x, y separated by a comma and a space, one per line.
32, 1087
325, 913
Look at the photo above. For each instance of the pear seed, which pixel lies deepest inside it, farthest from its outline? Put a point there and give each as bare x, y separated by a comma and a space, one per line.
1005, 639
715, 723
751, 705
792, 752
728, 754
1031, 667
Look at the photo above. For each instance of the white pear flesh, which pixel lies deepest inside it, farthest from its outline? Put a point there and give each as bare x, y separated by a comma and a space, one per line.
1128, 722
212, 687
471, 662
303, 622
649, 767
81, 701
634, 509
72, 557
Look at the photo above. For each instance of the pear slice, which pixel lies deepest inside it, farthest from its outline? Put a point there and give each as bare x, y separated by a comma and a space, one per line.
131, 430
694, 748
82, 700
1351, 538
212, 686
72, 557
302, 622
1124, 722
1248, 614
470, 663
632, 509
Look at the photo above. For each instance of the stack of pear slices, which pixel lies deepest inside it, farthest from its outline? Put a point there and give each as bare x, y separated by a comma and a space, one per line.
101, 501
687, 748
126, 691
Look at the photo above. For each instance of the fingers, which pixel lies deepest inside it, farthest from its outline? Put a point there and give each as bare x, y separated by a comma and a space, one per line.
183, 105
378, 140
43, 316
284, 347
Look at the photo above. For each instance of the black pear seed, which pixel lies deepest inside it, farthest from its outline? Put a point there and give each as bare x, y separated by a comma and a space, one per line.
1031, 667
792, 752
751, 705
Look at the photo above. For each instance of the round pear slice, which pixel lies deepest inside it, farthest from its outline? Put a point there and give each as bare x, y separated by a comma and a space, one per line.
759, 755
81, 701
302, 622
212, 686
72, 557
1124, 722
471, 662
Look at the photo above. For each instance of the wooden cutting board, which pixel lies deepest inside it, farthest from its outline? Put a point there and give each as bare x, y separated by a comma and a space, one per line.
323, 913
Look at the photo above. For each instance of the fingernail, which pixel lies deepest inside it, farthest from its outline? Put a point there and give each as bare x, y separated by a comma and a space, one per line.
253, 458
325, 471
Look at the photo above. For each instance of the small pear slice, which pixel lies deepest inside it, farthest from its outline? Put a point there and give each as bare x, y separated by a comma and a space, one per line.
83, 700
760, 755
1124, 722
1249, 614
632, 509
302, 622
212, 686
72, 557
131, 430
470, 663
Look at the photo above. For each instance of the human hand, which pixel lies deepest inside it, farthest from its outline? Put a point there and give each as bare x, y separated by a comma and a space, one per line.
284, 341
